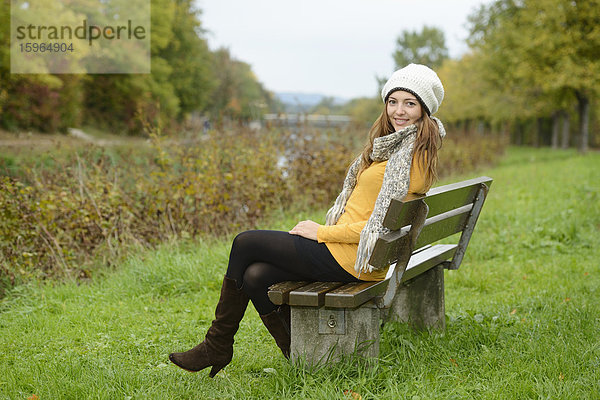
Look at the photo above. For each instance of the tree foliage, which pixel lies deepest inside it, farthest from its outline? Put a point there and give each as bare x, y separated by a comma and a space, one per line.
543, 54
192, 77
427, 47
186, 78
237, 93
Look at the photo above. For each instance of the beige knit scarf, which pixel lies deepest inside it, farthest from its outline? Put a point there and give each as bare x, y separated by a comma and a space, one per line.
397, 149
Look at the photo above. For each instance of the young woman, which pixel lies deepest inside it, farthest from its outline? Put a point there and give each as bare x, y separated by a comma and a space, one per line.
399, 158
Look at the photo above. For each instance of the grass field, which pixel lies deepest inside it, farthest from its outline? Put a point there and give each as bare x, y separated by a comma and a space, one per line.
523, 314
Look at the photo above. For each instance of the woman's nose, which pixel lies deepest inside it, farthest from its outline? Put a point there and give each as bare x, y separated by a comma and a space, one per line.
399, 110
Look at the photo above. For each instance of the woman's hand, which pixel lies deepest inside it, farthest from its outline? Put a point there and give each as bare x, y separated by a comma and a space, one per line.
307, 229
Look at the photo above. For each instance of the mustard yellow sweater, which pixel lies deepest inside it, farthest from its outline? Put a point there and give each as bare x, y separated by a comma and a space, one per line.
343, 237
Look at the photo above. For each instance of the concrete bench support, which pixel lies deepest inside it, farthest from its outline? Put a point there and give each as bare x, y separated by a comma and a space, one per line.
320, 335
420, 301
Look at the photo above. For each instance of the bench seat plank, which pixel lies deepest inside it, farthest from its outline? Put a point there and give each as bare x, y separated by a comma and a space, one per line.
279, 293
313, 294
354, 294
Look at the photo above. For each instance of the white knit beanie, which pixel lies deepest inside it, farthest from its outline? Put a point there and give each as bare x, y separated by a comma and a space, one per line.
419, 80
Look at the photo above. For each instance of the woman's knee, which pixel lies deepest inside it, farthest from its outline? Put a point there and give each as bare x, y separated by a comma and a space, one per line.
244, 240
255, 277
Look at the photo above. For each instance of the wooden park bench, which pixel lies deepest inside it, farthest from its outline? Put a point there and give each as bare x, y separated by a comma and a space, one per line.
330, 319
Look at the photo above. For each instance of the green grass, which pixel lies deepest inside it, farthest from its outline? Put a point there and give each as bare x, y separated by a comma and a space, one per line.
523, 315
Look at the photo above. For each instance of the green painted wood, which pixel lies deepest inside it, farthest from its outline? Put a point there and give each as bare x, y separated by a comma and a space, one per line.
445, 198
354, 294
439, 200
387, 248
401, 212
443, 225
427, 259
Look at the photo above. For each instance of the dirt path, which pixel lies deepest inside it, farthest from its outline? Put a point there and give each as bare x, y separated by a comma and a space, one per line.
43, 140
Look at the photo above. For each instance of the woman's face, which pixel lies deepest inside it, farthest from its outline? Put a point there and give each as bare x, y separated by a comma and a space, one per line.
403, 109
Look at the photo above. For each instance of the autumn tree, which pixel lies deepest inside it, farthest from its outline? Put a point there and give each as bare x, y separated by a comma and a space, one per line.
186, 77
237, 93
364, 110
189, 57
427, 47
544, 51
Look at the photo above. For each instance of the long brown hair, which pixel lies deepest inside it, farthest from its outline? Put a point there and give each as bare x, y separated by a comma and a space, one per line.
427, 143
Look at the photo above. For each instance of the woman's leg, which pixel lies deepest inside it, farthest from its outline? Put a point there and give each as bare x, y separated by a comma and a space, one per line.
258, 278
259, 259
217, 348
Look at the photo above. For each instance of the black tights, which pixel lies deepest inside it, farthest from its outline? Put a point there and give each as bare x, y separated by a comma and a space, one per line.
259, 259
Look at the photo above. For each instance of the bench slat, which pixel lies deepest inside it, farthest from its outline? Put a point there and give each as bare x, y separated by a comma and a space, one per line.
440, 199
401, 213
387, 247
313, 294
428, 259
444, 225
279, 293
354, 294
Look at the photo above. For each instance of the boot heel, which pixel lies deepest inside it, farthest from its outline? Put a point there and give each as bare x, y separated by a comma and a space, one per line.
215, 369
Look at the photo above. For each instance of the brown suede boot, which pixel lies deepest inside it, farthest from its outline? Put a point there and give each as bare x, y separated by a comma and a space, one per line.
217, 348
278, 325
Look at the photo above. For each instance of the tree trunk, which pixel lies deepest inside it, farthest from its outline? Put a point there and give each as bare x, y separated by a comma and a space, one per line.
539, 132
584, 120
566, 127
518, 133
466, 126
555, 128
480, 127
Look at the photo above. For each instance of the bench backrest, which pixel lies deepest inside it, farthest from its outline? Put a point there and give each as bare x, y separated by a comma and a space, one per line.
415, 222
418, 221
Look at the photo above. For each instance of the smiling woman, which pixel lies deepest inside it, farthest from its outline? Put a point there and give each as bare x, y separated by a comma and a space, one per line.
403, 109
410, 96
399, 158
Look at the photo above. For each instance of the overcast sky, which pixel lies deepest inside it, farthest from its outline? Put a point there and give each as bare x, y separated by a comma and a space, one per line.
330, 47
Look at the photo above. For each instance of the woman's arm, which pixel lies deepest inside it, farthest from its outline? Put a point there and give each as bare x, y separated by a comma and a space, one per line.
342, 233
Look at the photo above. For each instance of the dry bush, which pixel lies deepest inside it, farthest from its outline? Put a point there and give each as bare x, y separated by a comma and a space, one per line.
462, 153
